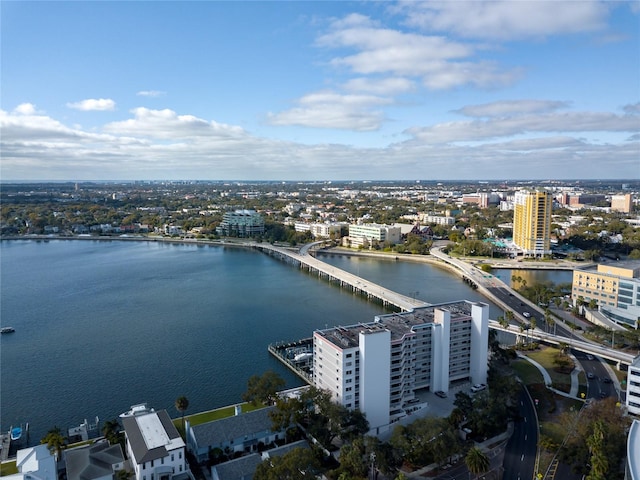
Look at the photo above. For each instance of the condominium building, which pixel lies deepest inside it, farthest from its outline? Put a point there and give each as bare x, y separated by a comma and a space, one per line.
369, 233
532, 222
622, 203
633, 387
438, 219
378, 367
616, 289
241, 223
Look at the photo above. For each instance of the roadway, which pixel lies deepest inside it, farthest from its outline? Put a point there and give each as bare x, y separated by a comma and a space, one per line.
521, 450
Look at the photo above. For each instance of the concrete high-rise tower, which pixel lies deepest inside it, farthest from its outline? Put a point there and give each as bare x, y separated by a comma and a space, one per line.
532, 222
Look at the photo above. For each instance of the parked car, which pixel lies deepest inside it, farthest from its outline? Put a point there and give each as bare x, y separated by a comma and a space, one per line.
478, 387
441, 394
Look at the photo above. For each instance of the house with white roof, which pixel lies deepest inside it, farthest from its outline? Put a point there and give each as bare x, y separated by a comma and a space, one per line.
155, 448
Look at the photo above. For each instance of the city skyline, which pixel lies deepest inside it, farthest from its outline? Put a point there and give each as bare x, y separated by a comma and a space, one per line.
320, 90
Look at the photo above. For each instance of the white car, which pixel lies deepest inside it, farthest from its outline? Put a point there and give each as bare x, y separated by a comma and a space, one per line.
526, 314
478, 387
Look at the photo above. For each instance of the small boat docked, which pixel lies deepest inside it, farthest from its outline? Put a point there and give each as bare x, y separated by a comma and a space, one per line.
7, 330
15, 433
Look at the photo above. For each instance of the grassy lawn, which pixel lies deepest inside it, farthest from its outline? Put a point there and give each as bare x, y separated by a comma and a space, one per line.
545, 357
211, 415
8, 468
527, 372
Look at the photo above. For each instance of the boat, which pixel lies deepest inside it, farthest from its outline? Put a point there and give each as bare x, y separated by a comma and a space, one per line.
15, 433
139, 409
7, 330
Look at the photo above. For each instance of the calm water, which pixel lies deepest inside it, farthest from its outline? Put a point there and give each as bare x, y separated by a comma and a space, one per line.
104, 325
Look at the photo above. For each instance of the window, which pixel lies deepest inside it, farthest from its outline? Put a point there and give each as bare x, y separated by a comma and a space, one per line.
144, 466
172, 457
180, 453
152, 467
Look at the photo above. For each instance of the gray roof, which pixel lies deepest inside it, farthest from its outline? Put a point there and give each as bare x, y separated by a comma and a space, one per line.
241, 468
94, 461
231, 428
136, 439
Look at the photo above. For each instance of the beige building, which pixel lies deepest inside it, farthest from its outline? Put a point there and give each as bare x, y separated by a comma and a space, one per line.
616, 289
532, 222
622, 203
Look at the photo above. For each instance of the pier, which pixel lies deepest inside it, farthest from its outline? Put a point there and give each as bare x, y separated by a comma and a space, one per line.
297, 356
342, 278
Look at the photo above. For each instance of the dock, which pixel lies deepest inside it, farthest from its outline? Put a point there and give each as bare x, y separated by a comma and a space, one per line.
297, 356
6, 444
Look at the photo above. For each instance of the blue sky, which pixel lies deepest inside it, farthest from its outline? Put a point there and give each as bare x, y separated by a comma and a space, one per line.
323, 90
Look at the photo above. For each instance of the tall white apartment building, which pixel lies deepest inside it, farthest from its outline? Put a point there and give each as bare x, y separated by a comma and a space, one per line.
633, 387
368, 233
377, 367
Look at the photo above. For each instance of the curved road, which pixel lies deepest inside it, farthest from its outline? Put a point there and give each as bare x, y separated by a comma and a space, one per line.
522, 448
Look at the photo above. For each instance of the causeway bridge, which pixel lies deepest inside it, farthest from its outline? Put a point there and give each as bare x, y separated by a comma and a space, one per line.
373, 291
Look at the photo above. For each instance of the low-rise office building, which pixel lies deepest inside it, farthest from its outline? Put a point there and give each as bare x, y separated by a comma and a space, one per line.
377, 367
368, 234
616, 289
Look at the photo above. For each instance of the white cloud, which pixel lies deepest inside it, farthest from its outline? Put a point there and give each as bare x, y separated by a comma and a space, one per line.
632, 108
333, 110
25, 109
380, 86
505, 20
441, 63
511, 107
92, 104
151, 93
168, 124
479, 130
162, 144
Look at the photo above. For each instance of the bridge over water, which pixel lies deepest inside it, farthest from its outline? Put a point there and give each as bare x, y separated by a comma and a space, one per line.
345, 279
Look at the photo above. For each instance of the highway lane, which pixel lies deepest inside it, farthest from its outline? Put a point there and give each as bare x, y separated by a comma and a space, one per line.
521, 450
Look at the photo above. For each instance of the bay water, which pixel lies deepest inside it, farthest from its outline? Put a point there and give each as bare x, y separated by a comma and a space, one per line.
103, 325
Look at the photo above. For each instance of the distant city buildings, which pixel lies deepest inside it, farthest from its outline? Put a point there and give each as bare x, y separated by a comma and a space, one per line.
532, 222
616, 289
622, 203
319, 230
241, 223
378, 367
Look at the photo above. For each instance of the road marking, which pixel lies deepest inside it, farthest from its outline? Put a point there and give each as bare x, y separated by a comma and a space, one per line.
525, 437
522, 458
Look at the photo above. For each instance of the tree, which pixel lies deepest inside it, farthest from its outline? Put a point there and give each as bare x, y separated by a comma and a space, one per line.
263, 389
111, 431
297, 464
55, 440
476, 461
182, 403
287, 411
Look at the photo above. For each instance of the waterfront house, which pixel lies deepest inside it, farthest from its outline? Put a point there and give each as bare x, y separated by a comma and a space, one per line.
154, 446
35, 463
99, 461
243, 432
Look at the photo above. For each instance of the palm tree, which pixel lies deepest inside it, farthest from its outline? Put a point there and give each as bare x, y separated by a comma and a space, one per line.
55, 440
477, 462
182, 403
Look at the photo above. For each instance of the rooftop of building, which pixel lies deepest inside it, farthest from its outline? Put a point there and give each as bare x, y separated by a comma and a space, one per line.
151, 435
399, 324
93, 461
229, 429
